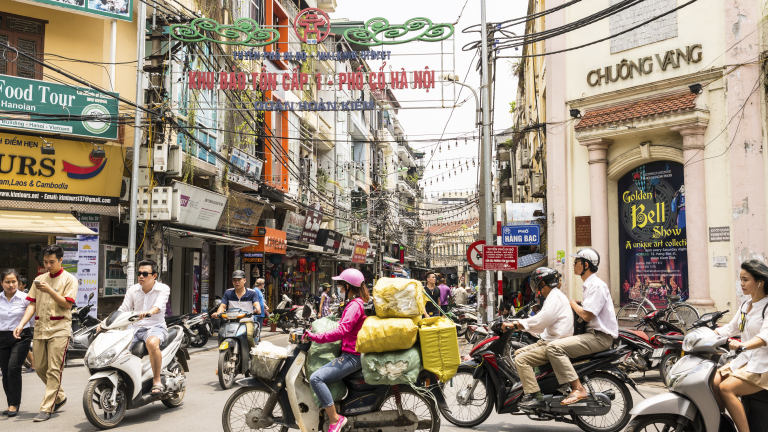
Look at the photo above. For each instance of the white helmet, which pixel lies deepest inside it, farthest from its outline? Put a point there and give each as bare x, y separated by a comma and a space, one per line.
589, 255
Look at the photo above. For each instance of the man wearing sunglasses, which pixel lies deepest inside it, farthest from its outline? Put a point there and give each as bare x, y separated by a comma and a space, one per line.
148, 298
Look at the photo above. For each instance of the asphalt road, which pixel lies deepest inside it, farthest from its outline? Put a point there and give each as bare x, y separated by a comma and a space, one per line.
204, 402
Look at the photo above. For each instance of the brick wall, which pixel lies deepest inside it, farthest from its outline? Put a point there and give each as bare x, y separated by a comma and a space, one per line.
661, 29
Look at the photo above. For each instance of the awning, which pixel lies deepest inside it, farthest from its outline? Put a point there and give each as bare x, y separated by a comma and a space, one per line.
527, 264
219, 239
42, 223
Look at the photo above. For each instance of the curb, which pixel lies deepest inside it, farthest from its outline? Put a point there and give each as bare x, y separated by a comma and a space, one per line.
214, 347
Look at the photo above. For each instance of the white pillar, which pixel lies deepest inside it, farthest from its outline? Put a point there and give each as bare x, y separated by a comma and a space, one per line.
598, 200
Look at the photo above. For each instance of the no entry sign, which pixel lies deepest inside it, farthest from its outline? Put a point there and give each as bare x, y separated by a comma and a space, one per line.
475, 254
500, 258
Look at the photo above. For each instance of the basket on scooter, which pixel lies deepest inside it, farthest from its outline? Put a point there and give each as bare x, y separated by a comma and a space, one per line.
265, 367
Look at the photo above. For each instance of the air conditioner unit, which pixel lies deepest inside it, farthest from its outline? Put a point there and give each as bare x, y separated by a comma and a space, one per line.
537, 189
525, 158
125, 190
521, 175
175, 157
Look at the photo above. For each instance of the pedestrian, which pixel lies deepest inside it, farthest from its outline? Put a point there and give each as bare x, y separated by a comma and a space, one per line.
13, 350
51, 297
258, 318
434, 293
325, 307
445, 294
30, 358
460, 296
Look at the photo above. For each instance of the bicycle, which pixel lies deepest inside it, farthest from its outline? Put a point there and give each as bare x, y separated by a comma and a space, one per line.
677, 312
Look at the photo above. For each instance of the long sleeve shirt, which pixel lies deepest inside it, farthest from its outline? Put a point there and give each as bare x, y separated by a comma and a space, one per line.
755, 326
351, 322
554, 320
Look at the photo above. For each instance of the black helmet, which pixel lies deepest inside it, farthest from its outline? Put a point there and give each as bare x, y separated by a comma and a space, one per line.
551, 277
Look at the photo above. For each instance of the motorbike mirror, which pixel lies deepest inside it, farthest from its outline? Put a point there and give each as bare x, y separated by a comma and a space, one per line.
306, 312
90, 296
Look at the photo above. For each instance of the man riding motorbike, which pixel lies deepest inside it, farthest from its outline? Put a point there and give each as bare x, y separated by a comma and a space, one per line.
243, 298
602, 327
555, 321
351, 282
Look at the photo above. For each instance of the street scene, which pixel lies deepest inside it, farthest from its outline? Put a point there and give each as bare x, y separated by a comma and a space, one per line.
338, 216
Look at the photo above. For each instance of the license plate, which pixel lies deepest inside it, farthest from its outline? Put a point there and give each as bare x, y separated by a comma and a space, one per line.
657, 352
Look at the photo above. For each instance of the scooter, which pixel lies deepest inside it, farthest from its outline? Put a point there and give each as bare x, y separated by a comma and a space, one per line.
83, 331
644, 347
489, 379
121, 375
690, 404
285, 401
234, 355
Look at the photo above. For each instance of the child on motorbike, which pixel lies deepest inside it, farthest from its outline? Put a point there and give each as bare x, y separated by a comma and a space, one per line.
748, 372
351, 283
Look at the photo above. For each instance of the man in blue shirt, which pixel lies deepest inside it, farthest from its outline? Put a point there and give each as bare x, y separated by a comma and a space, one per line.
245, 299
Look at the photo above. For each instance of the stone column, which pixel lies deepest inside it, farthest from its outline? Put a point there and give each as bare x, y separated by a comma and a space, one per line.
598, 200
697, 235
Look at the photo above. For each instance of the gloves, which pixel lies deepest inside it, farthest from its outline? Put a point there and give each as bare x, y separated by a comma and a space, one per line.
309, 335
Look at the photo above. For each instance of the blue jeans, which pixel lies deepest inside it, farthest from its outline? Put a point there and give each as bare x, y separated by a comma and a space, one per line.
334, 371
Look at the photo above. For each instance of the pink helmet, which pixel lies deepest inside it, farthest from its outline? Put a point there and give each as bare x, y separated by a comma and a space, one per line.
351, 276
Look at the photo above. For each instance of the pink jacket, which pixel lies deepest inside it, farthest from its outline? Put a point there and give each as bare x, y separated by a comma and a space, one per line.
351, 322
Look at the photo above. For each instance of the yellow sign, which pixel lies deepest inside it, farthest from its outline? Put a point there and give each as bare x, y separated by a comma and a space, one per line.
72, 175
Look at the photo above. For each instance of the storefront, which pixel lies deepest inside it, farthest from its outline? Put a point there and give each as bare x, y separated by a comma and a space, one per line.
259, 260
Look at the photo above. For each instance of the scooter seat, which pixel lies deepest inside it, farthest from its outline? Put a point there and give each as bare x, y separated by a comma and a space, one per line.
140, 348
355, 376
601, 354
672, 337
281, 311
761, 396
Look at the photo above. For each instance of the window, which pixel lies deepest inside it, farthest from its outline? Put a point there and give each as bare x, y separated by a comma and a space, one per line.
200, 104
257, 11
25, 34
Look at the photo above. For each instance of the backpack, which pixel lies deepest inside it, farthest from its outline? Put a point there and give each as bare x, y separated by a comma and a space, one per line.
579, 325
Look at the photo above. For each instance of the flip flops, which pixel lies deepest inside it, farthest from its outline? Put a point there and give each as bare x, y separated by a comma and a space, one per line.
159, 387
573, 399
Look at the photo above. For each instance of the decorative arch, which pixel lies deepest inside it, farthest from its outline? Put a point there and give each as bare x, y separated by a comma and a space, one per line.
633, 158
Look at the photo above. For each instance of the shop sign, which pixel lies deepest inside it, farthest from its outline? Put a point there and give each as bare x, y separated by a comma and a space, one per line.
293, 225
250, 166
115, 9
270, 241
253, 258
199, 207
312, 223
361, 248
626, 69
81, 259
347, 246
520, 235
73, 175
652, 232
329, 240
241, 214
95, 114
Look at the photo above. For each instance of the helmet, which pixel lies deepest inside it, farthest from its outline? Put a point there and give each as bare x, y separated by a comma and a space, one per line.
589, 255
351, 276
551, 277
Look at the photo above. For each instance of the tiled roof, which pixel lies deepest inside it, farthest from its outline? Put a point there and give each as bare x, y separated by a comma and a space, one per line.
640, 109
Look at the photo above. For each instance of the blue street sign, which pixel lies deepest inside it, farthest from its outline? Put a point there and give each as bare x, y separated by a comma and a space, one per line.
520, 235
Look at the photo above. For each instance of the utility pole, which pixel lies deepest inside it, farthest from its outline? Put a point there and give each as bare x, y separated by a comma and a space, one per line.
141, 20
486, 198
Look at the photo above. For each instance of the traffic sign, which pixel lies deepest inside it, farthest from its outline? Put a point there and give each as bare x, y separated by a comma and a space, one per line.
475, 254
461, 279
500, 258
520, 235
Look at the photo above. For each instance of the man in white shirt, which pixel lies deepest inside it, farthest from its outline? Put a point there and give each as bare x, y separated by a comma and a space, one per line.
149, 297
555, 321
602, 327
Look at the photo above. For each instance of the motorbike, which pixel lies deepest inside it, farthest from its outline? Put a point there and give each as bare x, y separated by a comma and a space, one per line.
234, 351
690, 404
285, 401
466, 316
83, 331
121, 375
197, 328
489, 380
290, 317
644, 347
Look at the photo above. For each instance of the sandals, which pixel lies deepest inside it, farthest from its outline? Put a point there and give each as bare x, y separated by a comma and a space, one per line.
159, 387
573, 398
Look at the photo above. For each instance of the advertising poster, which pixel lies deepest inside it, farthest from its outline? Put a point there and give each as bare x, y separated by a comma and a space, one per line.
312, 223
196, 282
117, 9
205, 276
115, 279
88, 263
199, 207
652, 234
241, 214
293, 225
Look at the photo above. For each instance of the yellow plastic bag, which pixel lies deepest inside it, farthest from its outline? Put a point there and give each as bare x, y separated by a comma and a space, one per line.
388, 334
439, 347
398, 298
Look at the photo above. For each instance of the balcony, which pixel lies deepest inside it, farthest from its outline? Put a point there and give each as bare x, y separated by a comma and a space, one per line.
408, 186
290, 7
405, 149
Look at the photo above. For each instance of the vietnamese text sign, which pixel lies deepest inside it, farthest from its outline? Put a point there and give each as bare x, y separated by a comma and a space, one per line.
241, 214
117, 9
293, 225
719, 234
361, 248
73, 175
520, 235
199, 207
499, 258
583, 230
26, 100
347, 246
312, 223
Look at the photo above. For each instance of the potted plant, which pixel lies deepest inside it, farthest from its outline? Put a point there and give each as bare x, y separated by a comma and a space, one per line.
273, 319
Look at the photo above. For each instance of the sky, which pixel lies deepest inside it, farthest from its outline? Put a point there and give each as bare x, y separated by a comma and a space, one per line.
428, 124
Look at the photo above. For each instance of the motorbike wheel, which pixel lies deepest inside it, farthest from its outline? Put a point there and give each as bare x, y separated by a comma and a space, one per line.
227, 369
175, 401
630, 314
621, 405
186, 340
410, 400
667, 362
468, 335
97, 397
200, 340
245, 404
654, 423
683, 316
463, 330
467, 413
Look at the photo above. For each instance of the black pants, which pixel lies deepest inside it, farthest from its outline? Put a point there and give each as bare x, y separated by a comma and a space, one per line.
13, 352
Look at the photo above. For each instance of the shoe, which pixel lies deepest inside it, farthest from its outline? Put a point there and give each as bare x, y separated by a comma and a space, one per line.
57, 406
531, 404
43, 416
5, 412
13, 413
337, 427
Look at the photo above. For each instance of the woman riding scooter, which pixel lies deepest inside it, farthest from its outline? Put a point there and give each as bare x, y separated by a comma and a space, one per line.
351, 283
747, 373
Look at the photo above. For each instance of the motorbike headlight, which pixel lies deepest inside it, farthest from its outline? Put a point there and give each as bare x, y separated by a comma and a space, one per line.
102, 360
693, 338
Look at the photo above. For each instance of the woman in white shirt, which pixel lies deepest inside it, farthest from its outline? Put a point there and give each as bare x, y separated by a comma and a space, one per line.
748, 372
13, 351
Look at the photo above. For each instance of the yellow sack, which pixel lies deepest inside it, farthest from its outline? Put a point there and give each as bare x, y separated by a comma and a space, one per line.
398, 298
439, 347
389, 334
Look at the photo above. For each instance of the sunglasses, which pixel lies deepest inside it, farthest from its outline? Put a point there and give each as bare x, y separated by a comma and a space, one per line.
145, 274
